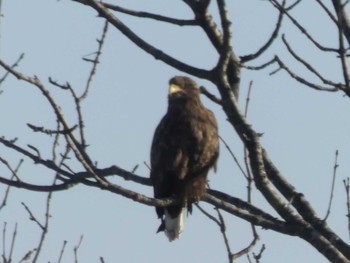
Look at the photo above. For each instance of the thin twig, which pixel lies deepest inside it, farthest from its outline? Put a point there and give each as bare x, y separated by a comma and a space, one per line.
307, 65
95, 61
335, 167
347, 191
7, 191
210, 96
233, 156
269, 42
27, 256
62, 251
157, 53
49, 131
247, 249
141, 14
342, 53
135, 168
258, 256
304, 81
249, 181
4, 242
45, 226
329, 13
248, 99
301, 28
175, 21
213, 218
32, 217
293, 5
76, 248
12, 243
222, 225
13, 66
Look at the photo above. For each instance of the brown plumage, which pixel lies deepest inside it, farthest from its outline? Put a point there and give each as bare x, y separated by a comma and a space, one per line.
185, 146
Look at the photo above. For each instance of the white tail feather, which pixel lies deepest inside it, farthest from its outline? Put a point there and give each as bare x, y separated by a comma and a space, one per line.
174, 226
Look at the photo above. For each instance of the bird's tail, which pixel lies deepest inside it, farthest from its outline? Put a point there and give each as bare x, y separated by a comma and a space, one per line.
174, 226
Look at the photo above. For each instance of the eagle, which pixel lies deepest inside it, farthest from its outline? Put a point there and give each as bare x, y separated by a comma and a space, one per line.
185, 147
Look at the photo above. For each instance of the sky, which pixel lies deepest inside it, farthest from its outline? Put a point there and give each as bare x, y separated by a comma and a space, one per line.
302, 128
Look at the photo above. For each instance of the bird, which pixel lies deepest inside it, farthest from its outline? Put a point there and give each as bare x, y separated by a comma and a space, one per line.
185, 147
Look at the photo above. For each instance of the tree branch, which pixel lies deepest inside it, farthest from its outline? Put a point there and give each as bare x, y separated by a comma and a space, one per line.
157, 53
269, 42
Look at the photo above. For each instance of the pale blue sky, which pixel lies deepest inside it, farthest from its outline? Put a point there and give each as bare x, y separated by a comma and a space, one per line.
302, 127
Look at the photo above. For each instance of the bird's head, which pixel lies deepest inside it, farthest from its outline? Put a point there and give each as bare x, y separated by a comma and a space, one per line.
183, 88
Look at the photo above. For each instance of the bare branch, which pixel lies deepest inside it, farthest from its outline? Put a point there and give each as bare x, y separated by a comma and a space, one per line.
210, 96
179, 22
76, 248
222, 226
343, 19
49, 131
95, 61
248, 99
342, 51
304, 208
13, 172
3, 204
259, 255
301, 28
329, 13
4, 242
45, 228
12, 243
27, 256
62, 251
157, 53
13, 66
269, 42
32, 217
226, 48
308, 66
216, 37
293, 5
302, 80
347, 191
233, 156
213, 218
247, 249
335, 167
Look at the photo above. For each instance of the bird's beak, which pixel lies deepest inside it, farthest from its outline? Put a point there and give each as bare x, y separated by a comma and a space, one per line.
173, 88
